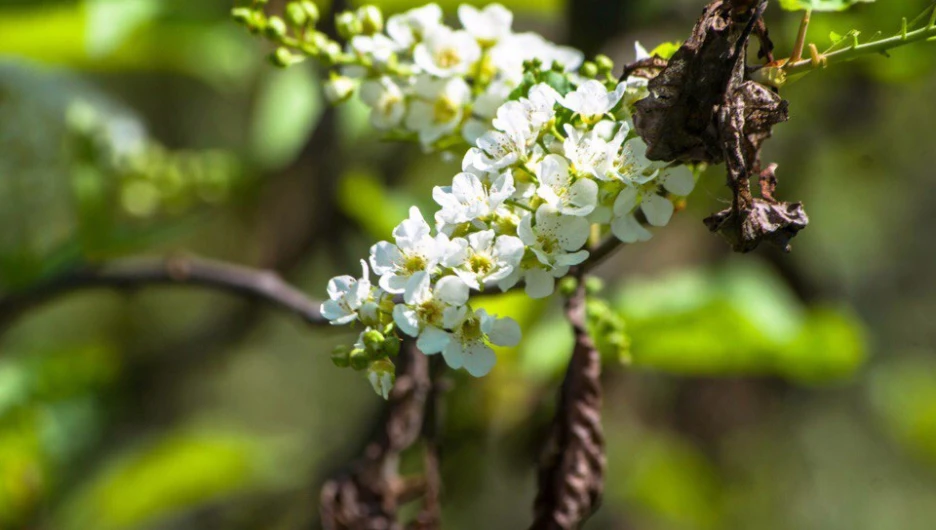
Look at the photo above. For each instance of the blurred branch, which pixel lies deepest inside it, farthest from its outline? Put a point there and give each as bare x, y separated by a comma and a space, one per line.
131, 274
571, 475
368, 493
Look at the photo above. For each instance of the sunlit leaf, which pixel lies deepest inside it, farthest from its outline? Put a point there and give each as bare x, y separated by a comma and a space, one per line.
820, 5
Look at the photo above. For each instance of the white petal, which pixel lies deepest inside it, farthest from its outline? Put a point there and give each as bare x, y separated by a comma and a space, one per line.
417, 290
481, 241
452, 290
679, 180
394, 283
384, 257
565, 260
505, 332
454, 355
405, 319
432, 340
539, 283
658, 209
583, 196
572, 233
478, 358
628, 230
509, 250
626, 201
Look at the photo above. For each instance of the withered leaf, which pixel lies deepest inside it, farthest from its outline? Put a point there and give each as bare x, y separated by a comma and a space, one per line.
774, 222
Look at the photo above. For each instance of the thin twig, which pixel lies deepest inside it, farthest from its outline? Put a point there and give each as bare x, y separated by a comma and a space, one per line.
131, 274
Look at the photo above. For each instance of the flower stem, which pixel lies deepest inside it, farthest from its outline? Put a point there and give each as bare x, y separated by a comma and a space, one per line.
518, 204
802, 66
797, 54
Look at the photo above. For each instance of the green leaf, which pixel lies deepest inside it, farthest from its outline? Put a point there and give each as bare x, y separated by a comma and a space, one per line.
820, 5
666, 49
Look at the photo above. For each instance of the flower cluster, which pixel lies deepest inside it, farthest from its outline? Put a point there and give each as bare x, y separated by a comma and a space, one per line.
421, 78
560, 166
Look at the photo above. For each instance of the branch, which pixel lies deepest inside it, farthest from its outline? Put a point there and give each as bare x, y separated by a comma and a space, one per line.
131, 274
571, 475
796, 67
368, 494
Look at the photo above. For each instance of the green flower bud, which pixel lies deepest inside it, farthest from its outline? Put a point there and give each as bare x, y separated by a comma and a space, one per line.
276, 28
391, 346
593, 285
567, 286
341, 356
373, 341
337, 89
382, 376
282, 57
589, 69
348, 25
359, 359
242, 15
371, 19
604, 63
311, 11
296, 15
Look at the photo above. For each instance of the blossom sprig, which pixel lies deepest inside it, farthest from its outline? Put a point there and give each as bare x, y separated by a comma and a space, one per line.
422, 79
558, 164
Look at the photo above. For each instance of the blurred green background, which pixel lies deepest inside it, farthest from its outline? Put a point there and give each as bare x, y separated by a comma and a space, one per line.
763, 391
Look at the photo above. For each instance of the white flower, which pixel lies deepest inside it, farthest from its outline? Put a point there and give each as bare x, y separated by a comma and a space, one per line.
562, 191
591, 154
415, 251
440, 108
632, 163
381, 377
338, 88
445, 52
427, 310
412, 26
488, 25
657, 209
640, 52
482, 257
346, 296
378, 47
467, 199
507, 145
591, 100
469, 347
540, 105
386, 100
554, 241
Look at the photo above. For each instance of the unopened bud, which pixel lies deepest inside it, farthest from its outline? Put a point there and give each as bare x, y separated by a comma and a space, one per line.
311, 11
359, 359
593, 285
391, 346
589, 69
604, 63
371, 19
242, 15
338, 89
296, 15
341, 356
348, 25
276, 28
567, 286
373, 340
282, 57
382, 376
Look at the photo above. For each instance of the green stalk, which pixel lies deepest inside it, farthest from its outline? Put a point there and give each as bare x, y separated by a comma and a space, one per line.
869, 48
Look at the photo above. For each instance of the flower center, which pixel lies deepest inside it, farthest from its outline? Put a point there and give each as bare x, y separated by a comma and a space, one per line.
430, 312
471, 330
444, 110
415, 263
447, 57
480, 263
548, 243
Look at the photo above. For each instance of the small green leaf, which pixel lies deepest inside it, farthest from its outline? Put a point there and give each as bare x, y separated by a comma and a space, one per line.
667, 49
820, 5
